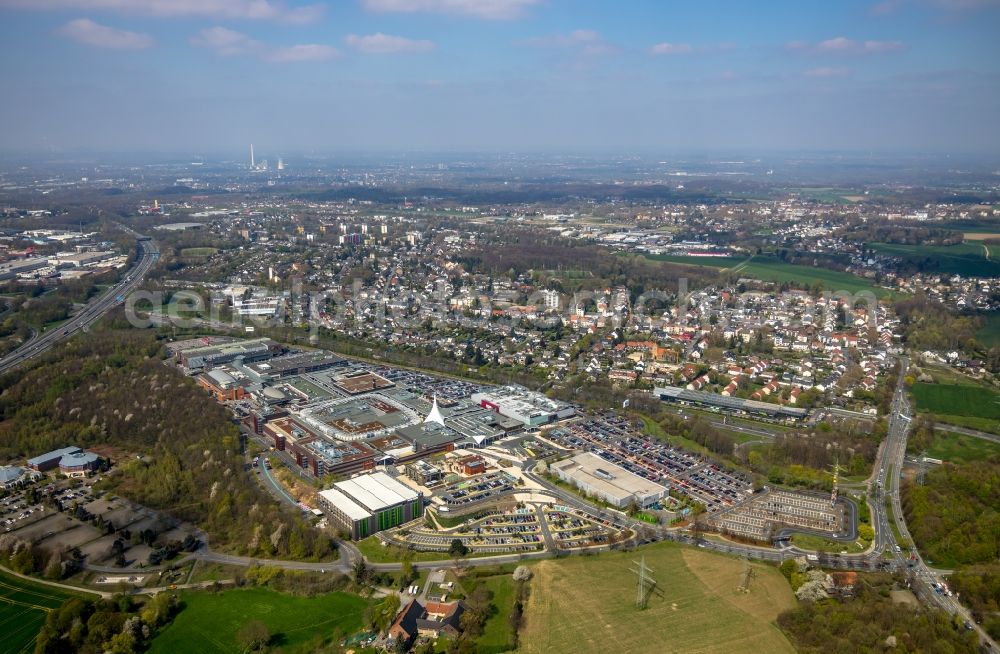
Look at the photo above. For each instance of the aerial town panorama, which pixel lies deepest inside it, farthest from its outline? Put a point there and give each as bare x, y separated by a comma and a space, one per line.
440, 372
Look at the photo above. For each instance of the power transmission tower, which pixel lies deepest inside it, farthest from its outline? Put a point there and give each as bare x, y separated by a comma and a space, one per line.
921, 467
836, 472
646, 584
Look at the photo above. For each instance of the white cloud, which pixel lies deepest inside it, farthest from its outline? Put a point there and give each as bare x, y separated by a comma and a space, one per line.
827, 72
304, 52
486, 9
949, 6
237, 9
226, 42
842, 45
574, 38
86, 31
229, 43
586, 42
380, 43
671, 49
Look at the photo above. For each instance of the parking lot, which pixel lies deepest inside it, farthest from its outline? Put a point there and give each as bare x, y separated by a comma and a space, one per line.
477, 489
616, 441
522, 528
453, 389
33, 515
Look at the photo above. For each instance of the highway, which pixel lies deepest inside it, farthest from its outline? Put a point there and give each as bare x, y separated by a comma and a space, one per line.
886, 486
40, 343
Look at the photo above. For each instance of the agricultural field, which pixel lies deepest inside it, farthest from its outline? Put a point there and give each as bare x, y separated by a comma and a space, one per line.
976, 407
709, 262
296, 624
828, 195
772, 270
587, 604
959, 448
23, 607
967, 259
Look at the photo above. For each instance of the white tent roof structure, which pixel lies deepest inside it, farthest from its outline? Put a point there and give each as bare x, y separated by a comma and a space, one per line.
435, 414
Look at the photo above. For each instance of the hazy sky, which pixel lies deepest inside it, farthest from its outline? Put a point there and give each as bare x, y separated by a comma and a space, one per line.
214, 75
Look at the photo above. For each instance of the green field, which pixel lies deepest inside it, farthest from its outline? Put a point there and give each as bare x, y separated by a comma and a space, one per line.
829, 195
963, 402
709, 262
586, 604
497, 634
209, 622
959, 448
989, 333
772, 270
23, 607
810, 542
967, 259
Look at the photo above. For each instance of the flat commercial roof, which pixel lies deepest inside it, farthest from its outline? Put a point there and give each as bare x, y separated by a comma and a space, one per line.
722, 401
349, 507
429, 434
622, 484
376, 491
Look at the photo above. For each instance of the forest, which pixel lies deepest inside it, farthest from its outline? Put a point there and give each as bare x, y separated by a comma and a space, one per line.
954, 517
929, 325
979, 588
520, 250
110, 390
115, 626
872, 622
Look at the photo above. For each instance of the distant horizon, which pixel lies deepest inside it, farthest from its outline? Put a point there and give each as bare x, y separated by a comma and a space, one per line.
648, 154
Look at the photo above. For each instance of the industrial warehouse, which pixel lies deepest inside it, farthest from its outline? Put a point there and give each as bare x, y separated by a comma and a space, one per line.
608, 482
371, 503
729, 404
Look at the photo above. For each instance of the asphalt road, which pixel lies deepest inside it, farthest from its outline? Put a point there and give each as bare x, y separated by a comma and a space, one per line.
986, 436
91, 313
886, 486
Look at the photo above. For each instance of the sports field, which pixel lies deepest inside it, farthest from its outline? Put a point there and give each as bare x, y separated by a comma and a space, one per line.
209, 622
968, 259
23, 607
773, 270
587, 604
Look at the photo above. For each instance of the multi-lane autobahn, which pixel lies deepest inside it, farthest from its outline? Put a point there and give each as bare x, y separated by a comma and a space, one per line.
923, 581
148, 253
